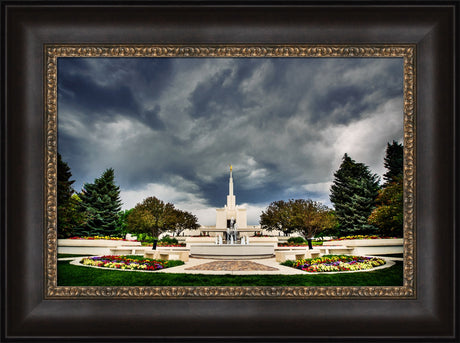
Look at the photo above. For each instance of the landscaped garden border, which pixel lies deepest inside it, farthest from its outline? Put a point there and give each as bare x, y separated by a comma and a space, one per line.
77, 261
73, 275
352, 237
335, 261
108, 238
120, 262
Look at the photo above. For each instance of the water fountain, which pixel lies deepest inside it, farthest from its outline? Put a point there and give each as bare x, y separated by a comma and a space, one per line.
232, 232
232, 250
227, 221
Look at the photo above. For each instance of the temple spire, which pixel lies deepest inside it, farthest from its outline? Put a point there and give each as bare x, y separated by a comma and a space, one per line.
230, 183
231, 201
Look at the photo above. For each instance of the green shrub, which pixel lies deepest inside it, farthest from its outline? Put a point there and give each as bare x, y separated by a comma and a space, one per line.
296, 240
168, 240
288, 263
145, 237
333, 232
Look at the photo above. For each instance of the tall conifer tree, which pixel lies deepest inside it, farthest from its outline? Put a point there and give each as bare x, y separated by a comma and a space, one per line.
64, 184
69, 215
353, 194
393, 162
388, 215
64, 193
101, 201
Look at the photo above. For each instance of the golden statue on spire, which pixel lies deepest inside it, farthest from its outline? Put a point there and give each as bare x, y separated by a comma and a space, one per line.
231, 167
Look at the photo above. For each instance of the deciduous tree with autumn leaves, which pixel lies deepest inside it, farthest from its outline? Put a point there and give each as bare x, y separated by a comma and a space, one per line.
154, 216
303, 216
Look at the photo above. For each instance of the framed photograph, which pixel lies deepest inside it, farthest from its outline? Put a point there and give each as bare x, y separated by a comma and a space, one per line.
179, 138
171, 101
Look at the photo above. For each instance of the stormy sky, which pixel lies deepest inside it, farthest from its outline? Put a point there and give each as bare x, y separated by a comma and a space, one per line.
170, 127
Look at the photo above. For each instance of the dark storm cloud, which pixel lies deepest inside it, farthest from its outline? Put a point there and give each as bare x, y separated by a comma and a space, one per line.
353, 97
340, 97
103, 91
223, 93
90, 97
220, 93
151, 118
172, 126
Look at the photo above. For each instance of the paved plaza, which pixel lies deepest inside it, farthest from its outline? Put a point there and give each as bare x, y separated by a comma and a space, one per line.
234, 267
266, 266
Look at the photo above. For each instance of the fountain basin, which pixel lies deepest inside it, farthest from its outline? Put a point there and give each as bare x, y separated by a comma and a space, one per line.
189, 241
232, 251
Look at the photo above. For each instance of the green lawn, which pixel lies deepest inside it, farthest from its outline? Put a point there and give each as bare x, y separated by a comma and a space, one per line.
70, 275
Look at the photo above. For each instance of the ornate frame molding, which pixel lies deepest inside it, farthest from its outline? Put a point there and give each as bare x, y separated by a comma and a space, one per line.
55, 51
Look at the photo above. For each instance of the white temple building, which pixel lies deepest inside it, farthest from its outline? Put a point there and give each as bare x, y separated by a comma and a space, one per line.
231, 211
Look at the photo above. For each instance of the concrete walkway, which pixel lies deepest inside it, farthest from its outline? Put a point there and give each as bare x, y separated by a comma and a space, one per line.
268, 262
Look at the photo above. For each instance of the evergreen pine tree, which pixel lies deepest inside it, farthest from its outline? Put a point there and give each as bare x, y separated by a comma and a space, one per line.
64, 184
388, 215
102, 204
353, 194
69, 214
393, 162
64, 193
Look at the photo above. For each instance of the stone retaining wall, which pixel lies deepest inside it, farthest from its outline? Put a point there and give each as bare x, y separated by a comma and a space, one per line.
372, 247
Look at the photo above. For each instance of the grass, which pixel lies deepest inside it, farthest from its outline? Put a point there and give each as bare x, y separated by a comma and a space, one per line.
70, 275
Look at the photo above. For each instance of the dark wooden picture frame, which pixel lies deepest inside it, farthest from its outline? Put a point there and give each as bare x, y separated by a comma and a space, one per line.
28, 313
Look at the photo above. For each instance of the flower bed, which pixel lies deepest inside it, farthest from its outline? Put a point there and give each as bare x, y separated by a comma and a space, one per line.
336, 263
292, 244
123, 262
160, 244
103, 237
361, 237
